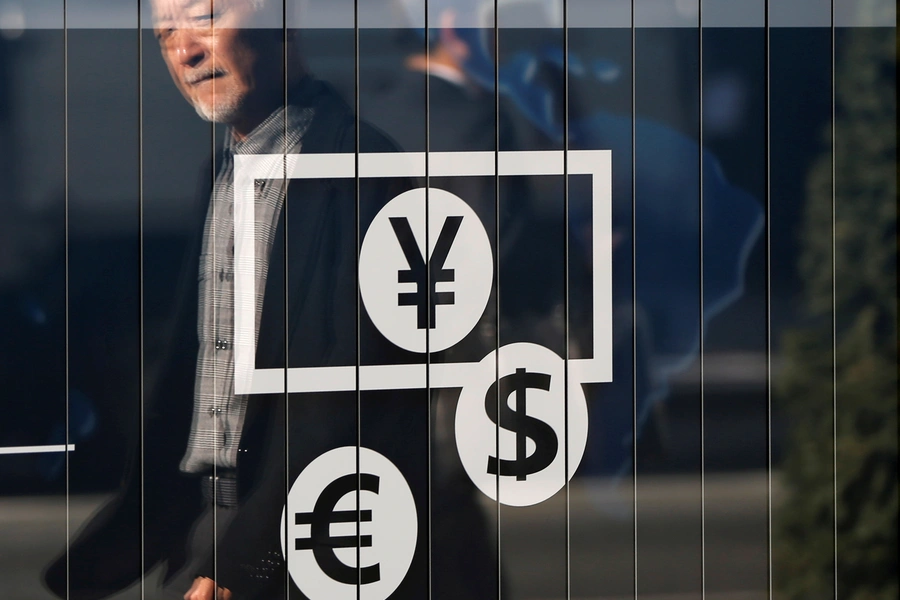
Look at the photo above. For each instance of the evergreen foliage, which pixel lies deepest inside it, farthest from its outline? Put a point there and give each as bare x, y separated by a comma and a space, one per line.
863, 246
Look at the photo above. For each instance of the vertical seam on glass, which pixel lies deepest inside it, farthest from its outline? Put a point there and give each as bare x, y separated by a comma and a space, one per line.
286, 313
634, 514
702, 301
497, 281
216, 400
565, 9
768, 208
66, 234
356, 249
428, 290
140, 37
834, 307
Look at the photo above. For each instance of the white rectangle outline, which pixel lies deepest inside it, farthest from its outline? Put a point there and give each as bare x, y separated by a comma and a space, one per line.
250, 168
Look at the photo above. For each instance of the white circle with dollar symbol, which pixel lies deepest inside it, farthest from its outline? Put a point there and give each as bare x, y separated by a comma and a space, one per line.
511, 431
394, 281
326, 534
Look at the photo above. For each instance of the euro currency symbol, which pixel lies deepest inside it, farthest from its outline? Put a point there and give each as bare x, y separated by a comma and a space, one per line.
320, 540
545, 440
425, 302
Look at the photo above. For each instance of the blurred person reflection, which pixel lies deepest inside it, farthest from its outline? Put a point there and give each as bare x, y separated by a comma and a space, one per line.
465, 115
531, 82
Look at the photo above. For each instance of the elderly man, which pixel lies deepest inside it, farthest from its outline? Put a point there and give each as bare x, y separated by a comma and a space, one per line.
213, 481
209, 484
231, 61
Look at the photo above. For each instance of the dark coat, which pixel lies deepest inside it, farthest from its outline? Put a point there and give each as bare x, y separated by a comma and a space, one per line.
315, 268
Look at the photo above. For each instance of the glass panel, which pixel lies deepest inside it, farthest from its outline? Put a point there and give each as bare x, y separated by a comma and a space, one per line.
104, 295
392, 92
395, 313
33, 300
201, 432
270, 120
462, 121
376, 437
177, 174
601, 502
302, 378
531, 392
667, 298
865, 213
800, 96
734, 302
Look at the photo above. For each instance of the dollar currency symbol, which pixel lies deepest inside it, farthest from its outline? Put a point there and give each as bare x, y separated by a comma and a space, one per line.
320, 540
545, 440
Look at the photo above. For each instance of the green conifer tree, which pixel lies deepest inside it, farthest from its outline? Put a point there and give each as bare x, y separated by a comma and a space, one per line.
863, 245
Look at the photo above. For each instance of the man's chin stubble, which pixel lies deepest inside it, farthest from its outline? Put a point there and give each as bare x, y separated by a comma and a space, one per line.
223, 112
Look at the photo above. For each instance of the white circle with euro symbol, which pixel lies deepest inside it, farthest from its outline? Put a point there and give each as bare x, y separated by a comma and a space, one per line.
511, 431
321, 520
417, 307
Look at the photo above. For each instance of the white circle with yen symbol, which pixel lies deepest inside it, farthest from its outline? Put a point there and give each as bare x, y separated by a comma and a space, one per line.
426, 306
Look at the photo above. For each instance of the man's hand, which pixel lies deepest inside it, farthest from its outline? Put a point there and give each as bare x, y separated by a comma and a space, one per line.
204, 588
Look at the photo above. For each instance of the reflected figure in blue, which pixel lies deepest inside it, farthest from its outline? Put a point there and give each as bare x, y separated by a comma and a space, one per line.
666, 200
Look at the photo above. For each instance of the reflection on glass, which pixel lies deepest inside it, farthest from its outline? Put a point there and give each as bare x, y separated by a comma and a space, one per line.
103, 303
839, 469
418, 89
601, 516
32, 301
184, 483
323, 372
532, 310
734, 306
667, 290
395, 312
462, 118
799, 67
177, 154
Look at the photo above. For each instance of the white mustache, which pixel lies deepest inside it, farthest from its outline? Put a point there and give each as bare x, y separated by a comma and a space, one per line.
206, 73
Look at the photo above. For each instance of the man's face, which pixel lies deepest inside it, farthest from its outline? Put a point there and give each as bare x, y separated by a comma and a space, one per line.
222, 64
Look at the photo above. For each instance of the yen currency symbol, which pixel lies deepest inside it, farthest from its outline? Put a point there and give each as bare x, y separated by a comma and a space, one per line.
416, 272
426, 270
516, 417
322, 543
545, 440
336, 495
